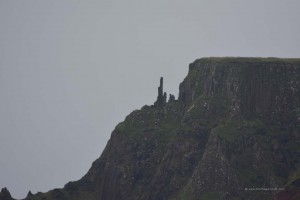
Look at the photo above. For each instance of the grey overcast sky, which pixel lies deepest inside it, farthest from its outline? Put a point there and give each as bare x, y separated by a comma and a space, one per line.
72, 70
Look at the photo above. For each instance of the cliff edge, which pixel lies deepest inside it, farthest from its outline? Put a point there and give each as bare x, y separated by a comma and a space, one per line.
233, 133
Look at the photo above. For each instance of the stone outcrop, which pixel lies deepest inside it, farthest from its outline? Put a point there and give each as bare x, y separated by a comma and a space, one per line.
233, 133
5, 195
162, 96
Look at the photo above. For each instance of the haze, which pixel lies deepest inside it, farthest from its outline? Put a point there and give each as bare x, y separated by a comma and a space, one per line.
70, 71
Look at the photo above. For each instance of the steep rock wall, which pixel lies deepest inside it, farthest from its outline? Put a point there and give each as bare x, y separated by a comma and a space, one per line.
234, 127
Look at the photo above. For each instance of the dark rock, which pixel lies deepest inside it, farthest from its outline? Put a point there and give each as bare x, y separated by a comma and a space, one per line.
233, 133
171, 98
162, 96
5, 195
29, 195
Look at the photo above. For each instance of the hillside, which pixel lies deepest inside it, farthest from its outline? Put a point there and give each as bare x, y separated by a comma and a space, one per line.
233, 133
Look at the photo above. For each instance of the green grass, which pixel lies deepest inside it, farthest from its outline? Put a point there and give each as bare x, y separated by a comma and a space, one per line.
186, 194
232, 129
210, 196
248, 60
204, 110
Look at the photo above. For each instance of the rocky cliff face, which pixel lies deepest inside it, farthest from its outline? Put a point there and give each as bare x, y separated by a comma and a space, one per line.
233, 133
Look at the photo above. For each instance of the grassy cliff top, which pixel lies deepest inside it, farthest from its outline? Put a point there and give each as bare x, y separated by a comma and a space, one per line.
225, 60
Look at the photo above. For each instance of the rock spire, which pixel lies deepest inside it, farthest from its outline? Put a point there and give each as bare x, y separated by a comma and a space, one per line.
162, 96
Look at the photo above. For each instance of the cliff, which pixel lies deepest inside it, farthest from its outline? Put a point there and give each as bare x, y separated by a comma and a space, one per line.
233, 133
